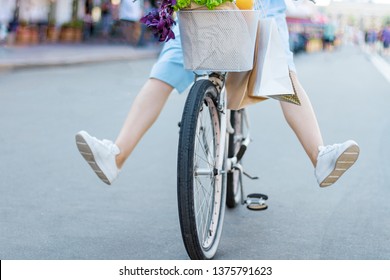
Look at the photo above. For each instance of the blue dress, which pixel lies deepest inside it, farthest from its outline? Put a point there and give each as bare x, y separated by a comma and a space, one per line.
169, 67
274, 7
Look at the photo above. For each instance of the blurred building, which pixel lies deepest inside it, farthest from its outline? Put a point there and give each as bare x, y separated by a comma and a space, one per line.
350, 18
34, 11
305, 22
34, 21
60, 11
363, 14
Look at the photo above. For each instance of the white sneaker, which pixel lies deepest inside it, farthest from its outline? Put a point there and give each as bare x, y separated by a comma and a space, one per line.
100, 155
334, 160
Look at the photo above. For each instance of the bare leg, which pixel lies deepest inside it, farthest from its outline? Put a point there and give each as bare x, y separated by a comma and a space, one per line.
143, 113
303, 122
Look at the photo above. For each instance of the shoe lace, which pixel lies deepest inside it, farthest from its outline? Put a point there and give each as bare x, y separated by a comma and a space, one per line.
111, 146
325, 149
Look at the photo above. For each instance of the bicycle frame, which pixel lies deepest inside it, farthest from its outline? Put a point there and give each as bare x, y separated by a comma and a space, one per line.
226, 127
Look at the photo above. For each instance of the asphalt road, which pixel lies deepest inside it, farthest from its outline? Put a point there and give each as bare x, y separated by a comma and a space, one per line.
52, 206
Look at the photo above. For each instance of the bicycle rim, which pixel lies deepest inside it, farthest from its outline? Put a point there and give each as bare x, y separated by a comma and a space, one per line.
201, 191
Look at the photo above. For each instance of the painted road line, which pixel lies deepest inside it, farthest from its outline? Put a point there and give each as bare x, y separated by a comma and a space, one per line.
382, 66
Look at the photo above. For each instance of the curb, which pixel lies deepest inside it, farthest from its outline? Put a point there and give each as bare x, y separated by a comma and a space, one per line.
18, 64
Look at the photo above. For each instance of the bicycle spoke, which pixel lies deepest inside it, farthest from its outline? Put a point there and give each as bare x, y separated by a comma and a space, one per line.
205, 139
203, 149
205, 208
206, 134
199, 214
203, 128
203, 214
199, 128
210, 164
207, 224
202, 188
203, 142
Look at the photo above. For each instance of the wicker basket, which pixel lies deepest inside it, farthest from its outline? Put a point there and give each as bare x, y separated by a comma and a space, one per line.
218, 40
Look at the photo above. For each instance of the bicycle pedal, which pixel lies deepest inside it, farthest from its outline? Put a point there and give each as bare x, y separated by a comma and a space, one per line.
256, 201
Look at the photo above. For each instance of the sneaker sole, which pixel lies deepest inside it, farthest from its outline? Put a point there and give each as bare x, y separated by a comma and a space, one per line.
86, 152
343, 163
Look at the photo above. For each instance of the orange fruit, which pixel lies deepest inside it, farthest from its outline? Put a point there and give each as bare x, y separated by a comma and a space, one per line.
245, 4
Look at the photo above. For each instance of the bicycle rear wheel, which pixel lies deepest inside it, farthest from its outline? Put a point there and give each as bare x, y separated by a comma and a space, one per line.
201, 187
233, 189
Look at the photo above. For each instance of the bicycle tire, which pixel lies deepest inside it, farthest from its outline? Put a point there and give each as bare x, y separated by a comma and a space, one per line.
200, 236
233, 185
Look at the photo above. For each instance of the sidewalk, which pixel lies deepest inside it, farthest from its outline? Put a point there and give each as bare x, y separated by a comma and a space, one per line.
19, 57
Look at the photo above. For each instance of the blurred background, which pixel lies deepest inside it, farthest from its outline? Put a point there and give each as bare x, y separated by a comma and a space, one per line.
29, 22
71, 65
329, 24
313, 27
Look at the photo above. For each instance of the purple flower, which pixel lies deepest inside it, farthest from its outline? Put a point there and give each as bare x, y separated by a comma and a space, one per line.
160, 21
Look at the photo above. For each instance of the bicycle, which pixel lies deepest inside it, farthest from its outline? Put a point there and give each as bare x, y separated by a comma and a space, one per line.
212, 143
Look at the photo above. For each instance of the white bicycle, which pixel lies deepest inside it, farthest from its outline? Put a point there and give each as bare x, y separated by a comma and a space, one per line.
212, 143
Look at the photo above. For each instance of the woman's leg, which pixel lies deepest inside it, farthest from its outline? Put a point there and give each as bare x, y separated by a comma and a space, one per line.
107, 158
143, 113
330, 161
301, 118
303, 121
167, 73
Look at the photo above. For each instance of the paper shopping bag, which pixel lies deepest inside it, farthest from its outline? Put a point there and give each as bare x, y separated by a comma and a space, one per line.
273, 78
270, 76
